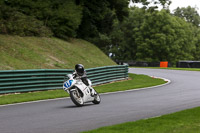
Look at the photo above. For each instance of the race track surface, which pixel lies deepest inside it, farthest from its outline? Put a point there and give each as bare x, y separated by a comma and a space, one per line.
61, 116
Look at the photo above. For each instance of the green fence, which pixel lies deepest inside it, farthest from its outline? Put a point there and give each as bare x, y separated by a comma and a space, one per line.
13, 81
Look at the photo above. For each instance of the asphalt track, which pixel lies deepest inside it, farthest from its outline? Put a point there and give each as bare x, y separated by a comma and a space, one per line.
61, 116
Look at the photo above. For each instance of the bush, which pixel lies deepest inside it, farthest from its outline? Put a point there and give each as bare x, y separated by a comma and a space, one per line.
17, 23
22, 25
31, 18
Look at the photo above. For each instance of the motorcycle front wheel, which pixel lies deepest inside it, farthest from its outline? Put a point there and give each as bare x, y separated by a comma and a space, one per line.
76, 98
97, 99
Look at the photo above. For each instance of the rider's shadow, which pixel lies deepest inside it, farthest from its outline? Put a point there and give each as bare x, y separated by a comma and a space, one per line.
74, 106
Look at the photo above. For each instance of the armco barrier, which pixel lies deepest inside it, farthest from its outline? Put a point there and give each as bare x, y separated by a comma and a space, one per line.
13, 81
188, 64
141, 63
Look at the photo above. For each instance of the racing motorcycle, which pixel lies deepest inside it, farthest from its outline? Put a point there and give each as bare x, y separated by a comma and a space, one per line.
79, 92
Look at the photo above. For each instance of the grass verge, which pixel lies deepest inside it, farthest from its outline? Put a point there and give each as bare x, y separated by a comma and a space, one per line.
136, 81
186, 121
172, 68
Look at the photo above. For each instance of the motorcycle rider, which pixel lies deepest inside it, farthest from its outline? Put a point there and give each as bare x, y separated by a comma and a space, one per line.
80, 73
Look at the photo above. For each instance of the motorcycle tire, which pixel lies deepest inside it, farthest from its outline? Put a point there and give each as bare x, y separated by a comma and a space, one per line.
77, 100
97, 99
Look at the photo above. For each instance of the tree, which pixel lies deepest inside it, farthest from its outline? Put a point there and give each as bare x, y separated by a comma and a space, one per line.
153, 4
61, 16
166, 38
98, 18
17, 23
124, 35
189, 14
196, 52
154, 36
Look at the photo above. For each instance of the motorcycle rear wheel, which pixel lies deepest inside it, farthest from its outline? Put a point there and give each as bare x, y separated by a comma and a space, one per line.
76, 98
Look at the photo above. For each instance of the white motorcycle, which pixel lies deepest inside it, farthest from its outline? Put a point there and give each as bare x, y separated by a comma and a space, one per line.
79, 92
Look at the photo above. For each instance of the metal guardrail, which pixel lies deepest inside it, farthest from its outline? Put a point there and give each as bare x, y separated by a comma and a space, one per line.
14, 81
188, 64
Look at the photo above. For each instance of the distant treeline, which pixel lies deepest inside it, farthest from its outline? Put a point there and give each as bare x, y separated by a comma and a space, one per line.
154, 36
140, 34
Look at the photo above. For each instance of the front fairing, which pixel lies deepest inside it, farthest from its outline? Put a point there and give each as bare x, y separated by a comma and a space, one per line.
69, 84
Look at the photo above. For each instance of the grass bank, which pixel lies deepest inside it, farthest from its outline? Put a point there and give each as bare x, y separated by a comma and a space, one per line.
48, 53
136, 81
187, 121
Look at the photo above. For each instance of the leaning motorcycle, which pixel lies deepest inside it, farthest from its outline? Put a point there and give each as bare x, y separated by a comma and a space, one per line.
79, 92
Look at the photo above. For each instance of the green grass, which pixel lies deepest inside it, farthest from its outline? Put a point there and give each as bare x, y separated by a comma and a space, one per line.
187, 121
185, 69
48, 53
172, 68
136, 81
32, 96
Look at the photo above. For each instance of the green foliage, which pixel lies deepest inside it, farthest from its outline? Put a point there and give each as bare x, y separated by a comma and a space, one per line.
153, 36
65, 19
196, 52
164, 37
152, 5
17, 23
129, 33
62, 17
98, 18
68, 18
189, 14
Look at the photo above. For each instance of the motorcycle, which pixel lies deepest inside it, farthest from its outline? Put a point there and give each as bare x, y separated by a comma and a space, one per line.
79, 92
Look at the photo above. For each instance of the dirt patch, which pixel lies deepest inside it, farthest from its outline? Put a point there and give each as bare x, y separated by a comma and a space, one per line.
114, 82
56, 59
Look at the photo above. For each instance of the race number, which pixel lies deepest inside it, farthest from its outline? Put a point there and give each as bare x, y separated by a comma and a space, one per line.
68, 83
